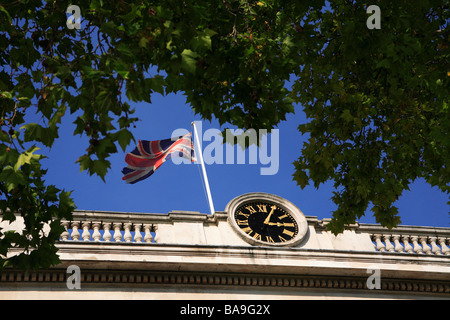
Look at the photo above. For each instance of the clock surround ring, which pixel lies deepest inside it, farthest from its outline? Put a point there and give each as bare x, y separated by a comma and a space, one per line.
254, 197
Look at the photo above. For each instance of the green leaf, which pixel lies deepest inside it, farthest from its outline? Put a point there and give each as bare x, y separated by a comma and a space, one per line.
301, 178
188, 61
155, 84
124, 137
347, 116
4, 136
100, 167
85, 162
26, 157
56, 118
35, 132
143, 42
203, 40
5, 95
108, 27
3, 10
66, 204
121, 69
12, 178
51, 193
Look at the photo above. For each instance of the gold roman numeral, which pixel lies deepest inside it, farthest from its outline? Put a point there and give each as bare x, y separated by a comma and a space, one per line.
251, 209
247, 230
289, 224
257, 236
246, 215
262, 207
289, 233
242, 222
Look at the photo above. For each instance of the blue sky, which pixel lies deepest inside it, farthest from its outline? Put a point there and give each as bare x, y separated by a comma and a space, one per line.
179, 187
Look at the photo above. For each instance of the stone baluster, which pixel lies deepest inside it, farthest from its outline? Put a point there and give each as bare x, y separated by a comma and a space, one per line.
96, 235
434, 248
416, 246
397, 245
107, 233
86, 235
65, 234
389, 246
425, 247
379, 245
155, 229
148, 236
408, 247
137, 233
445, 249
127, 235
75, 233
117, 233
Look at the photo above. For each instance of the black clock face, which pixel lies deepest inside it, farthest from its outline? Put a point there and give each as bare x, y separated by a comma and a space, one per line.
266, 222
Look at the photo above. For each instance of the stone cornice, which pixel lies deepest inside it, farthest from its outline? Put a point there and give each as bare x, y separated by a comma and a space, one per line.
55, 279
212, 258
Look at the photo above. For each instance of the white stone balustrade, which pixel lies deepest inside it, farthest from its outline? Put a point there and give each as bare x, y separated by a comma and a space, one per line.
109, 227
194, 228
434, 244
143, 228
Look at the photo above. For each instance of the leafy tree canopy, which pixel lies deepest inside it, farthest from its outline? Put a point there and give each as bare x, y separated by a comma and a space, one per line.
376, 99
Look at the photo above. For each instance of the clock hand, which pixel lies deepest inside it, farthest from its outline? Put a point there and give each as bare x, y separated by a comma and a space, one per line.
270, 214
278, 224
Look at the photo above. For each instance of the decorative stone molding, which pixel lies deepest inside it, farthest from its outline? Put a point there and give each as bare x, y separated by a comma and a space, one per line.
181, 249
98, 278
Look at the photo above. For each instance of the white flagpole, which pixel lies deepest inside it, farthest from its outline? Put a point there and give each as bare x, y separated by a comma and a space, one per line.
205, 177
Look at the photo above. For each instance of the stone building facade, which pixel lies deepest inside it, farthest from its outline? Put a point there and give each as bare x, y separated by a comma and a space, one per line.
260, 247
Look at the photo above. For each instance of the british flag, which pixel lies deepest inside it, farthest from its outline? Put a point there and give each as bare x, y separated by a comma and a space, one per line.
148, 156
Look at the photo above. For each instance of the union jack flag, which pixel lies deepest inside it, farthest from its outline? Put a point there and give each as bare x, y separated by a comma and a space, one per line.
148, 156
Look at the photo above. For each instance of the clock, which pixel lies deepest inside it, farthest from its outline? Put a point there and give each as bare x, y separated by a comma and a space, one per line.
267, 219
